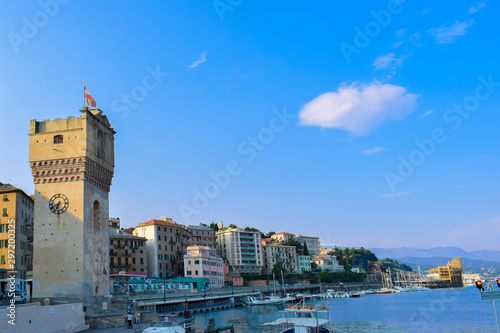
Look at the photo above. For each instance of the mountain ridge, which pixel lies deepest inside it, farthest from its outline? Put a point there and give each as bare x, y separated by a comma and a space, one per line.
443, 252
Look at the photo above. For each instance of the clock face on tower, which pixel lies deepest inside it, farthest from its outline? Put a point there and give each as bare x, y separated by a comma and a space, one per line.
58, 204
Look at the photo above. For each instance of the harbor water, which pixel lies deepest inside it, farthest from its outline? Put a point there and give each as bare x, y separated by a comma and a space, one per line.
439, 310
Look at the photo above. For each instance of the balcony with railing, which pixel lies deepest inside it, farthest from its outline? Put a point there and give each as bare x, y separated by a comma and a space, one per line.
27, 222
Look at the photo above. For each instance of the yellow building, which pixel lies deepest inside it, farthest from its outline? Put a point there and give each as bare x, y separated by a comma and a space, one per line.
274, 252
16, 220
166, 245
72, 163
452, 272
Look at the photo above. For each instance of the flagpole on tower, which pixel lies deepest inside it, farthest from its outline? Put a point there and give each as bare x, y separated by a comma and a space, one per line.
84, 99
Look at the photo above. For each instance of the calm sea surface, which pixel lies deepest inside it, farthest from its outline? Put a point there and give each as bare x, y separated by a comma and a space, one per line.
443, 310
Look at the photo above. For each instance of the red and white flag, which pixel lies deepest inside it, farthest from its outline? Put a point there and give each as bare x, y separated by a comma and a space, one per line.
88, 98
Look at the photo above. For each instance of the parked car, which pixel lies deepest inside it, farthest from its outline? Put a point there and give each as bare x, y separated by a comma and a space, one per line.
19, 296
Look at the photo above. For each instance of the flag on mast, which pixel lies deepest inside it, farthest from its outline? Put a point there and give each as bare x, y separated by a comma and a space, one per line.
88, 98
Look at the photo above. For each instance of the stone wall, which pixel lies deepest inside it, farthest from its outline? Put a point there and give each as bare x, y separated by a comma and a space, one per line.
33, 318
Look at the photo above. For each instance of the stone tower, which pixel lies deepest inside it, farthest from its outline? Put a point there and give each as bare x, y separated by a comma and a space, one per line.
72, 162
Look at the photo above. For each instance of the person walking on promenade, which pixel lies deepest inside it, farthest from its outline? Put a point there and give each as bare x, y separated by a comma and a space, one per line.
137, 320
129, 317
125, 320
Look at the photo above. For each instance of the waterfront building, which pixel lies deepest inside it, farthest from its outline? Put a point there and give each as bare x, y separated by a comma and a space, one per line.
303, 264
127, 254
451, 273
72, 163
232, 278
16, 215
285, 254
470, 278
312, 244
166, 244
328, 263
202, 236
203, 262
242, 249
281, 237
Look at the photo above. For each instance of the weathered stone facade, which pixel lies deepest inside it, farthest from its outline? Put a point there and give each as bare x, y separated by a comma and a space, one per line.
72, 162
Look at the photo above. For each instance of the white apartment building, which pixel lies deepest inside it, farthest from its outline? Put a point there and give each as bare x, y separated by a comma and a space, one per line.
328, 263
312, 244
282, 236
242, 249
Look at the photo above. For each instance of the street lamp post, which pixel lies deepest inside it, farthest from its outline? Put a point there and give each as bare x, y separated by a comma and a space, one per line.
164, 275
164, 296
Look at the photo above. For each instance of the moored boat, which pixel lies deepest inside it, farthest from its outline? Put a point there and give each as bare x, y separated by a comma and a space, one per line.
301, 319
165, 324
266, 301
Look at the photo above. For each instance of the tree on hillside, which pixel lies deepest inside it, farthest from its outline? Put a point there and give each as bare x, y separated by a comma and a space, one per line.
214, 226
298, 246
278, 268
350, 257
231, 226
306, 250
269, 234
389, 263
252, 229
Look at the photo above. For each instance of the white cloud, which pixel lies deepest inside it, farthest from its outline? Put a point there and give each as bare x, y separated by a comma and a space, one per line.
427, 113
397, 45
373, 151
358, 108
400, 33
201, 60
449, 34
475, 9
392, 195
388, 61
415, 36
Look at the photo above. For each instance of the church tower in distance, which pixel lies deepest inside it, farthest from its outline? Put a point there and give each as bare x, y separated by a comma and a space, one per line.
72, 161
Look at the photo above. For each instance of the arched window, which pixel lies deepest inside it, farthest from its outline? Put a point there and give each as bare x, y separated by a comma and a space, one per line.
97, 215
58, 139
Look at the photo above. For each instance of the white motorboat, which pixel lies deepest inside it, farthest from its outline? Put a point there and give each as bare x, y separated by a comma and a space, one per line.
301, 319
165, 324
266, 301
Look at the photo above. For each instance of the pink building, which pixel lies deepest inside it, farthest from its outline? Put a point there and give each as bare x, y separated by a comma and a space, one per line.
232, 278
203, 262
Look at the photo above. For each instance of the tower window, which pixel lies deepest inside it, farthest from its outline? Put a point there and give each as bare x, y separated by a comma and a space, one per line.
58, 139
97, 215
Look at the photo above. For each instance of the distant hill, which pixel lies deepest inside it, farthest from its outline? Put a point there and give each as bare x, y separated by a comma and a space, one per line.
432, 262
443, 252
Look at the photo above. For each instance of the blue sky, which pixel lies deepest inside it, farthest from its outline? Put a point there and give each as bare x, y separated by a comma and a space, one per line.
372, 124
